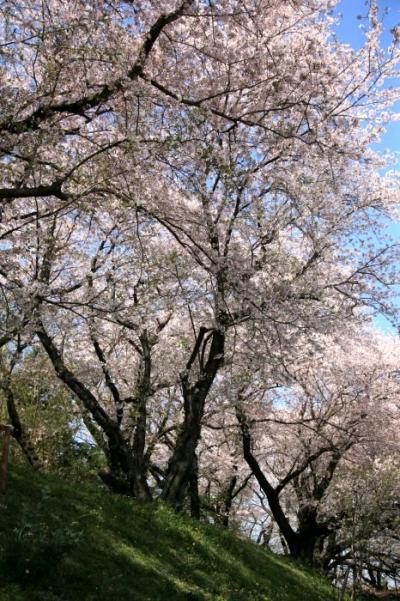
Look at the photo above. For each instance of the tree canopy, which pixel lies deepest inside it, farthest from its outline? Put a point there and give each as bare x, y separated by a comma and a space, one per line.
193, 250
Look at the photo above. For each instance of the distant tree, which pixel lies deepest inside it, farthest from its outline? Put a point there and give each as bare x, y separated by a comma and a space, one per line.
309, 441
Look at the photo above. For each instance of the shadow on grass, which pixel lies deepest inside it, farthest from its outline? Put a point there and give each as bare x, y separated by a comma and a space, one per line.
66, 543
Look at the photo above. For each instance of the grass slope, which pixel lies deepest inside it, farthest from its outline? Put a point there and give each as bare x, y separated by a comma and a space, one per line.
61, 542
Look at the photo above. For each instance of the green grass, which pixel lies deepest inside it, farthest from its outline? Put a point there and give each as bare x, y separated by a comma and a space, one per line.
60, 542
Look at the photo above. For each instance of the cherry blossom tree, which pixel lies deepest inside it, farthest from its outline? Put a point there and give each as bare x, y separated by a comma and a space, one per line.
178, 181
301, 438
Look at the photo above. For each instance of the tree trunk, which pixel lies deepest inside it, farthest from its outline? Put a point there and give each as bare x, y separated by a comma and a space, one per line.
5, 451
19, 432
228, 498
272, 496
308, 535
139, 440
301, 543
180, 465
194, 490
120, 455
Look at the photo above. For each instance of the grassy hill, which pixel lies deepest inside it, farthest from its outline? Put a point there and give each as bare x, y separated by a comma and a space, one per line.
59, 542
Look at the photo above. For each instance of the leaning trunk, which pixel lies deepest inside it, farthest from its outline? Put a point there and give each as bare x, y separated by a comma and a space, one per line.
19, 433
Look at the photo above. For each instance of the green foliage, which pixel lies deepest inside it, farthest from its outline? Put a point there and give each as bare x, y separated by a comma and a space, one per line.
46, 411
45, 408
86, 544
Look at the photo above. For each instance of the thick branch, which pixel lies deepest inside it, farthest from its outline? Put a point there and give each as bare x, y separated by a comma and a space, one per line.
79, 106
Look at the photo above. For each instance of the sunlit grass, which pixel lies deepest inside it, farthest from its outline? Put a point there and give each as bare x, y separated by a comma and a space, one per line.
59, 542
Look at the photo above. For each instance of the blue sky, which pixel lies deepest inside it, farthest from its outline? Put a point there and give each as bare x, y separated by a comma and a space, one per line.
350, 32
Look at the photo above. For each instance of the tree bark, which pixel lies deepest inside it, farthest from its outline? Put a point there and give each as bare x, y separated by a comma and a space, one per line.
120, 455
139, 439
301, 544
19, 433
272, 496
194, 490
180, 465
5, 451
